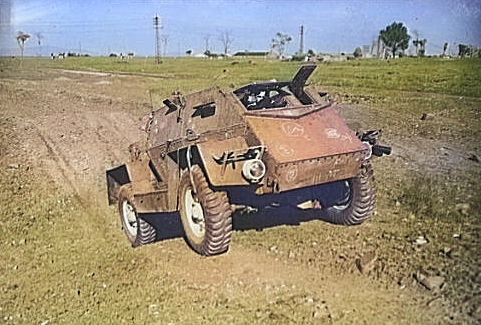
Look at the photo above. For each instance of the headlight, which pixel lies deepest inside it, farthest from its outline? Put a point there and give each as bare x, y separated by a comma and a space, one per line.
253, 170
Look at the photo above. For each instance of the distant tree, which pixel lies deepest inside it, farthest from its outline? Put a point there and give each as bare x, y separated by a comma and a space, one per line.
463, 50
279, 43
209, 54
416, 45
226, 39
420, 46
299, 57
468, 50
39, 42
395, 37
21, 39
357, 52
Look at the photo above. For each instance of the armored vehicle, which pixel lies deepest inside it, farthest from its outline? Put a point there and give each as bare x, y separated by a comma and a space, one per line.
213, 152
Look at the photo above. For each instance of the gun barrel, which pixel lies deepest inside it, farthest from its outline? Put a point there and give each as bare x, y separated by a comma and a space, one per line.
379, 151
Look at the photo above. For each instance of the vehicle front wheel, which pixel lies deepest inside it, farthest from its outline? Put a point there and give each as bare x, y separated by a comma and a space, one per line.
205, 214
138, 231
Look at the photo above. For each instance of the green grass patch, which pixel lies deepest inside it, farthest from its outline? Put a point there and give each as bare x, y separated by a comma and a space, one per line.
459, 77
424, 198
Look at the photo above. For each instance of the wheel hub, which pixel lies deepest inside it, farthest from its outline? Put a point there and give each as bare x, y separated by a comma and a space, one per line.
130, 217
195, 214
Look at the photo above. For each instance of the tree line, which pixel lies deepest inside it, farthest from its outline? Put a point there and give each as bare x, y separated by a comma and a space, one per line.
392, 41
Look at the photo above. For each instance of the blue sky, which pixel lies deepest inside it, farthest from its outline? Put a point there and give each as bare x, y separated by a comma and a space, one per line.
101, 27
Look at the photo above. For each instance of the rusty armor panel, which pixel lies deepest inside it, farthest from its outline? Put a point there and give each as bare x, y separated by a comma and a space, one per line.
311, 149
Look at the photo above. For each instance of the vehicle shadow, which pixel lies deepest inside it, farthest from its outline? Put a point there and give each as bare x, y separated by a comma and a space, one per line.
169, 226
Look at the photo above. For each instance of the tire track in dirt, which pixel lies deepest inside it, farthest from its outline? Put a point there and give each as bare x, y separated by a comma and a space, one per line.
434, 156
59, 160
71, 136
80, 147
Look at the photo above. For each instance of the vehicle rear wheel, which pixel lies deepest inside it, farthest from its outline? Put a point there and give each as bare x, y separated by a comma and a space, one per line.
205, 214
138, 231
356, 204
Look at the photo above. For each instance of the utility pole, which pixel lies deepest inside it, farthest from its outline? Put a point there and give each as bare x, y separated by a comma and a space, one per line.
157, 25
206, 39
301, 47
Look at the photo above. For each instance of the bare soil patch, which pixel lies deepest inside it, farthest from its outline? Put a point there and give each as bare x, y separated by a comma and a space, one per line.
70, 127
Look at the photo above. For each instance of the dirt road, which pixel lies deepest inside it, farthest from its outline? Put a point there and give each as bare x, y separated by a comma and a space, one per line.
71, 127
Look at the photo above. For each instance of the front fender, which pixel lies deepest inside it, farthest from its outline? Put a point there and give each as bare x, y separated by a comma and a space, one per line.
148, 194
116, 177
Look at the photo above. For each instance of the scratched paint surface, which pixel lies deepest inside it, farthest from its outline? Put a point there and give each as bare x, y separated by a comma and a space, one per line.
320, 134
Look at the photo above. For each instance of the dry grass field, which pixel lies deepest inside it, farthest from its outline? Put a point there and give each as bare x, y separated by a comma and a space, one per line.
64, 259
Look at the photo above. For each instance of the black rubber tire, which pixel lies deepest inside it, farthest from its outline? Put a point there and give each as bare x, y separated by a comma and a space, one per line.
360, 204
137, 230
215, 230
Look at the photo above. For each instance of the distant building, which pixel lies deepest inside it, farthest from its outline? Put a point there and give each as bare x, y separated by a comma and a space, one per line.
366, 51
